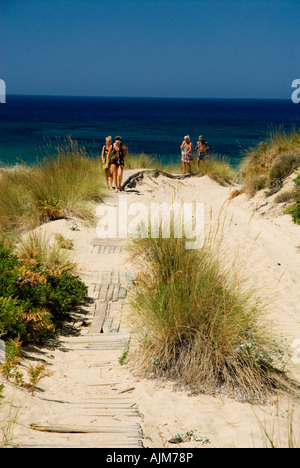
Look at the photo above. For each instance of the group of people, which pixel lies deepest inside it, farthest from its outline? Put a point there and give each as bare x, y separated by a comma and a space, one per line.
186, 147
114, 154
113, 160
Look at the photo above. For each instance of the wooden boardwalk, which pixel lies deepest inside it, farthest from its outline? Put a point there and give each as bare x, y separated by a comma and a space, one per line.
97, 417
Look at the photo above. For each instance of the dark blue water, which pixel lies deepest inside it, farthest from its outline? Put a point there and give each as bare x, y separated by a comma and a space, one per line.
152, 126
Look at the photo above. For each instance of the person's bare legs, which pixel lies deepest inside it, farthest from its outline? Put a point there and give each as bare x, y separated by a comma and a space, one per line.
120, 176
183, 167
107, 176
189, 167
110, 178
115, 176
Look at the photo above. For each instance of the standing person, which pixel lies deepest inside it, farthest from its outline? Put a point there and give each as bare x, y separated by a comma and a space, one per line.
106, 152
119, 153
202, 149
186, 153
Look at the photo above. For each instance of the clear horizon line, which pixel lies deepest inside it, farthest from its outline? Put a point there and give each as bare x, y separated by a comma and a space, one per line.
147, 97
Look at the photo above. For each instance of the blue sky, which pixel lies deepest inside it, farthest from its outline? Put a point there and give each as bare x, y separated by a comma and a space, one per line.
155, 48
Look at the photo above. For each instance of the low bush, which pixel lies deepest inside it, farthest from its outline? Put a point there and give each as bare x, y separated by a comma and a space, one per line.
294, 210
35, 298
268, 164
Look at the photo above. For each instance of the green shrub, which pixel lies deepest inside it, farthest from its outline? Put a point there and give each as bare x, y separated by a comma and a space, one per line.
11, 323
273, 160
35, 298
294, 210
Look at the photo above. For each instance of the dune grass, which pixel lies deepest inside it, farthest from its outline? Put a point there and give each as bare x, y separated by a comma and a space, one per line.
266, 165
217, 168
198, 324
64, 183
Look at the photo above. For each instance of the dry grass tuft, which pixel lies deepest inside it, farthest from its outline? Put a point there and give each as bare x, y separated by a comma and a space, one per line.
198, 324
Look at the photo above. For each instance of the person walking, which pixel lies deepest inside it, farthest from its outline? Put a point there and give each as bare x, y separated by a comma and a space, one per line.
119, 153
202, 150
106, 151
186, 153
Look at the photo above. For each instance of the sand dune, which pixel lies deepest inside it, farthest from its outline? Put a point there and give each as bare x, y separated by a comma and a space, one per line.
269, 256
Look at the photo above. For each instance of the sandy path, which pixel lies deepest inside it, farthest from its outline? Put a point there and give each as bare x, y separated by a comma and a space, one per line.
269, 257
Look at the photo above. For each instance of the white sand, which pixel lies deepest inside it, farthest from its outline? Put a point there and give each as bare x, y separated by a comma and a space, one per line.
268, 247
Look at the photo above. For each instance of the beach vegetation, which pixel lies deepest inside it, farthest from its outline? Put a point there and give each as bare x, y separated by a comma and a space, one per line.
64, 182
217, 169
294, 209
206, 330
270, 162
36, 373
36, 296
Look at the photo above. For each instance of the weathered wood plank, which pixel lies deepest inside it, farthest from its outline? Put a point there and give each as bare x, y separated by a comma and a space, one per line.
110, 291
107, 324
98, 318
115, 277
103, 292
106, 277
73, 429
100, 444
122, 293
116, 291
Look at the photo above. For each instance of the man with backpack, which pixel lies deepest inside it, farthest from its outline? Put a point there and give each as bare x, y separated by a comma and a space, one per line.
202, 150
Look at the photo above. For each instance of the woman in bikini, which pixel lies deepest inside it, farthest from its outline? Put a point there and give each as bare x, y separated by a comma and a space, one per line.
106, 152
186, 153
119, 153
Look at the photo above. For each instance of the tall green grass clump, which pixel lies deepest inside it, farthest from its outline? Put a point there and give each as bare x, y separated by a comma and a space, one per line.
217, 169
65, 182
270, 162
198, 325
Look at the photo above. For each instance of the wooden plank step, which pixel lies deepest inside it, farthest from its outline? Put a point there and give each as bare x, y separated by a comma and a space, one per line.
115, 277
110, 292
116, 291
99, 317
73, 429
106, 277
103, 292
99, 444
122, 293
107, 324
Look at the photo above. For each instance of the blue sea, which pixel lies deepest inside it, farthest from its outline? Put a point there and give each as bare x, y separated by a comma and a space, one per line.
155, 126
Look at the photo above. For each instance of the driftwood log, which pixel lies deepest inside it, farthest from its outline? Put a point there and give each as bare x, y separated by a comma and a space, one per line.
132, 180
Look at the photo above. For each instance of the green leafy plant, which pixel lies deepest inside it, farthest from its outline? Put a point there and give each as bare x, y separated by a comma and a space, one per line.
124, 356
294, 210
36, 296
64, 243
36, 373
